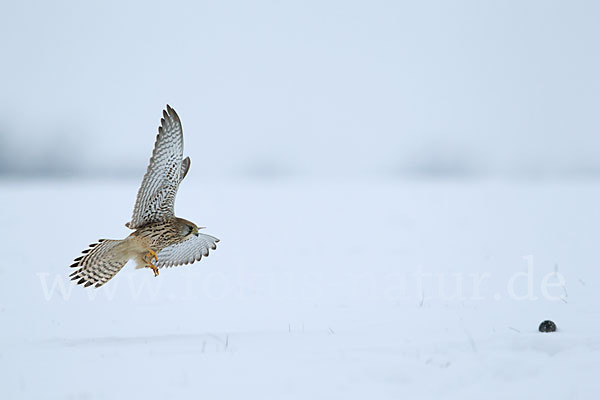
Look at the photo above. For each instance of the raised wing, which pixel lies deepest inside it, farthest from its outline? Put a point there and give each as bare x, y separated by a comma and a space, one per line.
156, 197
186, 252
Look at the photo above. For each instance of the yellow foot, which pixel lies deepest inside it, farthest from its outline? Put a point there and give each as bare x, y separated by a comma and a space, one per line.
151, 254
148, 258
154, 268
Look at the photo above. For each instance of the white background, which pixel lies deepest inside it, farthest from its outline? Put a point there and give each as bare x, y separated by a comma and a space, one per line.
403, 192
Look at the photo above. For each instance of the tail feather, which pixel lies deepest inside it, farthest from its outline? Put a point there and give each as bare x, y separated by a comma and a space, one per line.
99, 263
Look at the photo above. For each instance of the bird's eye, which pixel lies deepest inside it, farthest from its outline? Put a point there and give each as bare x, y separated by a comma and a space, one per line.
190, 229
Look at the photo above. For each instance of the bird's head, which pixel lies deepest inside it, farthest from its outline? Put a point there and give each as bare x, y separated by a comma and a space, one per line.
188, 227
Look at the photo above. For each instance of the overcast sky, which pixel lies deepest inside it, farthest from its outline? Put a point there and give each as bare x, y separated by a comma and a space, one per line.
305, 88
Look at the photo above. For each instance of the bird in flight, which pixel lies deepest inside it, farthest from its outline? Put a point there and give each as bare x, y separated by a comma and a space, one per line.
160, 239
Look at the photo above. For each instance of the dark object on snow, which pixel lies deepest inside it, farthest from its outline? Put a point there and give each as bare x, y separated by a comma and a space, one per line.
547, 326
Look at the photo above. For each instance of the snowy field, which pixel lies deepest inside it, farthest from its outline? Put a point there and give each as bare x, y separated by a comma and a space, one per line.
318, 290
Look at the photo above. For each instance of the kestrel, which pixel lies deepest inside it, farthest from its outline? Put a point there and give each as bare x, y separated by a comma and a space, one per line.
158, 234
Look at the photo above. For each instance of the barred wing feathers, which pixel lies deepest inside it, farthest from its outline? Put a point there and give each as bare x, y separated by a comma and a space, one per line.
156, 197
188, 251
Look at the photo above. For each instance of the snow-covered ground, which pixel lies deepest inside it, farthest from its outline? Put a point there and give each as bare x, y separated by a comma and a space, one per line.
328, 289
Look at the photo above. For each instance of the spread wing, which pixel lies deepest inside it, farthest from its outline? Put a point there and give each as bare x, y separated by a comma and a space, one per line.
156, 197
186, 252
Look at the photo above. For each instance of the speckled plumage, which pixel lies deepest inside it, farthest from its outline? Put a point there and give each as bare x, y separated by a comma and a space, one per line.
158, 234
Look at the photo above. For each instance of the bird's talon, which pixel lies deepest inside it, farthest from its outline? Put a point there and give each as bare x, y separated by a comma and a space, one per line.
153, 254
153, 268
150, 255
